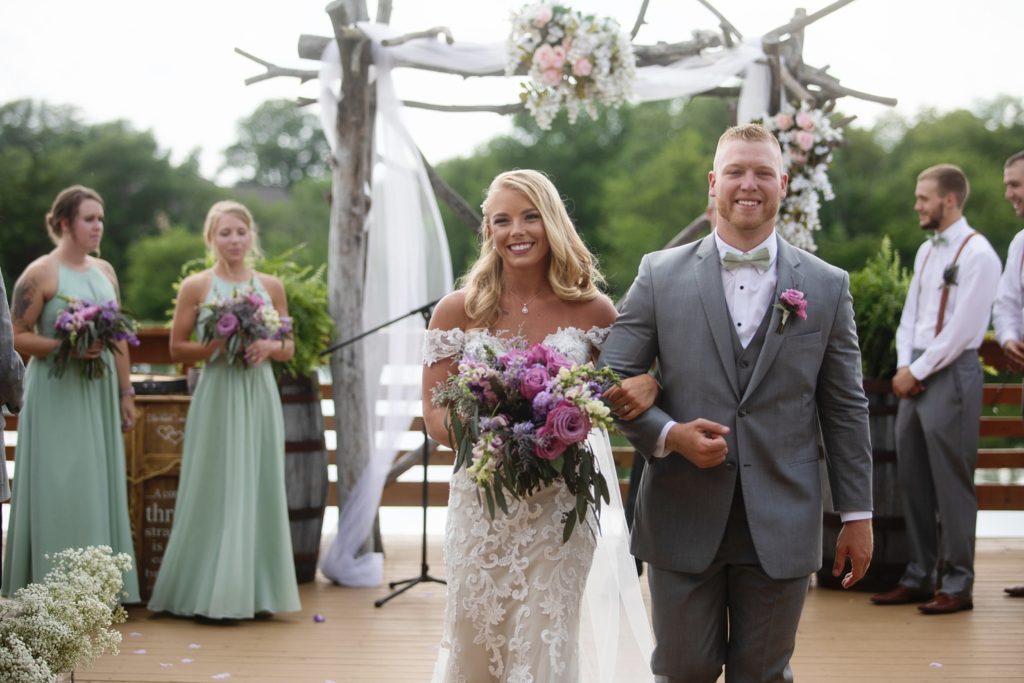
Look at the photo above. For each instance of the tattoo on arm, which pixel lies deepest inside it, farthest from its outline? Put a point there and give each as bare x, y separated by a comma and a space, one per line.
24, 293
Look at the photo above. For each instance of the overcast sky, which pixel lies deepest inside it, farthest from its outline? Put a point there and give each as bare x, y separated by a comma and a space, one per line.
169, 67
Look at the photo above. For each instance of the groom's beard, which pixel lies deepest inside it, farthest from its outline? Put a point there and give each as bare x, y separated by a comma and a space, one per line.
747, 220
932, 221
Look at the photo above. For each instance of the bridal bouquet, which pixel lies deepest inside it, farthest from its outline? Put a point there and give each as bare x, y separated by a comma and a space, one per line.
519, 421
572, 60
241, 319
81, 325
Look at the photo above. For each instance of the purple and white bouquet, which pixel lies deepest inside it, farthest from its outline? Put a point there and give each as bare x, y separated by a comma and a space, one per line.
240, 320
81, 325
519, 420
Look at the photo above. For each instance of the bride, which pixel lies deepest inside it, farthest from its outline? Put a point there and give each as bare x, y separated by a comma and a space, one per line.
515, 591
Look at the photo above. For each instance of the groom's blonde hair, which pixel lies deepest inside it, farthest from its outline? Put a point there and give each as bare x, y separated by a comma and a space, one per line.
572, 270
749, 132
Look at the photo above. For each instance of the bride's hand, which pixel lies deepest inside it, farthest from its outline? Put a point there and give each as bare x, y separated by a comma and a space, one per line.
634, 397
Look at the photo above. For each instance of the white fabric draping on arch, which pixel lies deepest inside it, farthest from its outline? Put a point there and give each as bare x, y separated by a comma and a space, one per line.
408, 265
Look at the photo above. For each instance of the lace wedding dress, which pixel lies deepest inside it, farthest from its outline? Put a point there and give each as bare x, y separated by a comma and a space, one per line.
516, 593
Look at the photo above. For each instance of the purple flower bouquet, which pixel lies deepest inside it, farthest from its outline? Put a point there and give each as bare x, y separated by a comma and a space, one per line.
519, 420
240, 320
81, 325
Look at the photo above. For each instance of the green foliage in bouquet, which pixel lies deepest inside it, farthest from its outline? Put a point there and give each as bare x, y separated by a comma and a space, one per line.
306, 289
879, 290
64, 622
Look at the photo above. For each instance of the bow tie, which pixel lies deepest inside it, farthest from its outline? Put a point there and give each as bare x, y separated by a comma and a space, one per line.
938, 239
760, 259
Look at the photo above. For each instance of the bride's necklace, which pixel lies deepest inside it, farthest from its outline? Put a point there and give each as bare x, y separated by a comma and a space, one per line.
525, 310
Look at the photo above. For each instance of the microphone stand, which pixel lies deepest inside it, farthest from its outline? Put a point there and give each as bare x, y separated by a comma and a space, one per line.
424, 575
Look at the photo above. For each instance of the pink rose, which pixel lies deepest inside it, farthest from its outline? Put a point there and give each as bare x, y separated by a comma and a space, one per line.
805, 121
542, 16
537, 355
558, 57
793, 299
544, 56
582, 67
254, 299
568, 423
547, 447
783, 121
805, 140
534, 381
227, 324
89, 312
551, 76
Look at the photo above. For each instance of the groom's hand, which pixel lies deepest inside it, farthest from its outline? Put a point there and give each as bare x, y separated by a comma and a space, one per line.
856, 542
702, 442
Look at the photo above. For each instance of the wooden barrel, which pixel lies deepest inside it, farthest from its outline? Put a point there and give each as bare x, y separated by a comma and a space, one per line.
305, 469
891, 549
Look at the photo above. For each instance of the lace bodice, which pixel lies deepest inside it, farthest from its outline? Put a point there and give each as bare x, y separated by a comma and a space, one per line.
572, 342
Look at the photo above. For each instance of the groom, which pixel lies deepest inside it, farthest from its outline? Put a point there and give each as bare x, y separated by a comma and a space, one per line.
729, 510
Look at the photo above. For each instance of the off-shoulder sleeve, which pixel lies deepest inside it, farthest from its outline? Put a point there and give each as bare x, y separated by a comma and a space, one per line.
596, 335
441, 344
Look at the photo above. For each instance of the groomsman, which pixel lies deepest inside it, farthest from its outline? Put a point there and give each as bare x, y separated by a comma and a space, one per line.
12, 373
1008, 310
939, 383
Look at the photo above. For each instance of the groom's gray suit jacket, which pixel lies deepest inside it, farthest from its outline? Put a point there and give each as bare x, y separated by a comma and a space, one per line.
806, 378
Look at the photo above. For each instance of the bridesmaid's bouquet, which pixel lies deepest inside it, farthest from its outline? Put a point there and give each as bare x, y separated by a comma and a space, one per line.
241, 319
519, 421
81, 325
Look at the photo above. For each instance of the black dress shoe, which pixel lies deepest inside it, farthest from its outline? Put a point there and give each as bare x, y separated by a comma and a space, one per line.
944, 603
902, 595
1015, 591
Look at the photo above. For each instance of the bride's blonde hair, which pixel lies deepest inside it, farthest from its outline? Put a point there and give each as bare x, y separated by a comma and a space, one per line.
572, 270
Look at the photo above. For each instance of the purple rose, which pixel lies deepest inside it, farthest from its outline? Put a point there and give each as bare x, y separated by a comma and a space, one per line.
227, 324
793, 299
568, 423
89, 312
547, 446
534, 381
255, 299
537, 355
556, 362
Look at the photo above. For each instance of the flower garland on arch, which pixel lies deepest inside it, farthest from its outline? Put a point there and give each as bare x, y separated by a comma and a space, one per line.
807, 137
572, 61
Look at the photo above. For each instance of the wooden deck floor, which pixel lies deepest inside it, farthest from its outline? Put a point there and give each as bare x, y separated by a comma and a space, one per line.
842, 636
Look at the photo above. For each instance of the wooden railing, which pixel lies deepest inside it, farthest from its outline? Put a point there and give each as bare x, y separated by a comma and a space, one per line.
1007, 425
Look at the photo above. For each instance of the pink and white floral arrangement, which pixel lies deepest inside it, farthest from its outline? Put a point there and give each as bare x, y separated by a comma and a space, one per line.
573, 61
807, 137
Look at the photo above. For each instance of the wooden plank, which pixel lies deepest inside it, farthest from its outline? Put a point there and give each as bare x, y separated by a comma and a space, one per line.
996, 458
1002, 426
1000, 497
1003, 394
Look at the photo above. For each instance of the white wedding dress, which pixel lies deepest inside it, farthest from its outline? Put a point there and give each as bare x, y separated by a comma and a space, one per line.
516, 593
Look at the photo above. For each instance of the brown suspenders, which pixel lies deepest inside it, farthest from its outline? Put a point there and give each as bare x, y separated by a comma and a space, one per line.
945, 287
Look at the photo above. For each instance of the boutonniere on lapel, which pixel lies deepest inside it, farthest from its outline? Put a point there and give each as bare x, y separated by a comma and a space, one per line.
949, 276
791, 302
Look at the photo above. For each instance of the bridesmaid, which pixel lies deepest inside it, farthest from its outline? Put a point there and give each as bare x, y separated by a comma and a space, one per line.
230, 553
70, 489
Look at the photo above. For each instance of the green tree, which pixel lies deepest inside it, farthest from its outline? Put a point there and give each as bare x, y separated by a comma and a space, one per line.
279, 145
154, 263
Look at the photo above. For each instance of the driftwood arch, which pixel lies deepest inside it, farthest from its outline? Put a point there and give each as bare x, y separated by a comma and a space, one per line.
352, 161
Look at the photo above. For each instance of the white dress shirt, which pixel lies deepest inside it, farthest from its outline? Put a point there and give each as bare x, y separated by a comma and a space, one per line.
1008, 309
967, 309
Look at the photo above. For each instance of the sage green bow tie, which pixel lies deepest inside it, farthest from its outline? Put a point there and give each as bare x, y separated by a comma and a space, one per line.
760, 259
938, 239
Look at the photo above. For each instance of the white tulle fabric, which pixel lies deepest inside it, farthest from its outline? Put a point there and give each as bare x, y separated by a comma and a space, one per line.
522, 606
408, 265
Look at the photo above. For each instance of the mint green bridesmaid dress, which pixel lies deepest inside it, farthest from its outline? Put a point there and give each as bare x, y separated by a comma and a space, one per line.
69, 477
230, 554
